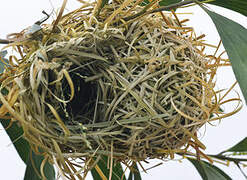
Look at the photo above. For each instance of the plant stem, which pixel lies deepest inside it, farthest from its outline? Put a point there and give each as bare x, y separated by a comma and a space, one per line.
218, 156
227, 158
164, 8
5, 41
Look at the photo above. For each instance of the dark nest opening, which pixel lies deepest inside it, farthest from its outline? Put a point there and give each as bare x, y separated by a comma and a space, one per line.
81, 107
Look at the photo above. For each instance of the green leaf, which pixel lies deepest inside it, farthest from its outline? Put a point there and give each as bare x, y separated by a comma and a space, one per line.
234, 39
103, 3
134, 173
235, 5
34, 172
3, 60
161, 3
3, 53
23, 148
168, 2
117, 170
239, 147
209, 171
15, 134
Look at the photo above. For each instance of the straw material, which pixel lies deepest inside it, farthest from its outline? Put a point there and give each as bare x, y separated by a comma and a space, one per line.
93, 84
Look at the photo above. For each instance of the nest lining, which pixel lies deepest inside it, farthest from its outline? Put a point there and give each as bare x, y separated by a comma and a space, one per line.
133, 90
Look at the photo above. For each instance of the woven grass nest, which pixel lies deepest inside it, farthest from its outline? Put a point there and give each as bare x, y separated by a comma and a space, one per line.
95, 83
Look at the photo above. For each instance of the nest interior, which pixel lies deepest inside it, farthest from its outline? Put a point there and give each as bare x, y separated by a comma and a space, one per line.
100, 85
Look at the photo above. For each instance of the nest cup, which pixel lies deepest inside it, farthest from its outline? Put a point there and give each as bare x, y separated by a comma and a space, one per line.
94, 86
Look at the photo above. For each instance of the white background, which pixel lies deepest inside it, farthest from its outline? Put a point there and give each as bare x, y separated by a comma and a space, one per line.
16, 15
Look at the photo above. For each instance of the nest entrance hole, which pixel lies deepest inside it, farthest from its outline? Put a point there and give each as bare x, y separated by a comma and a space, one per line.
81, 107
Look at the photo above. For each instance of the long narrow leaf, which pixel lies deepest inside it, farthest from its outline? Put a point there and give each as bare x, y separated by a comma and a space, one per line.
161, 3
239, 147
117, 170
22, 146
209, 171
135, 173
234, 39
3, 60
15, 134
168, 2
33, 169
235, 5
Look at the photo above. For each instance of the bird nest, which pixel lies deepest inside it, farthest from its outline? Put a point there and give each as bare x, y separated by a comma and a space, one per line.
97, 83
